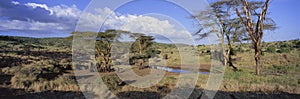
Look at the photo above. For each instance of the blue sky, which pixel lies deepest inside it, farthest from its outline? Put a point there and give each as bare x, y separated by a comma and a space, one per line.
57, 18
286, 15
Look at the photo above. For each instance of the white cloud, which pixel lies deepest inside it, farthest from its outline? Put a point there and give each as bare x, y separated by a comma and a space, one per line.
146, 24
59, 10
35, 5
15, 2
66, 11
90, 21
17, 25
64, 18
32, 17
134, 23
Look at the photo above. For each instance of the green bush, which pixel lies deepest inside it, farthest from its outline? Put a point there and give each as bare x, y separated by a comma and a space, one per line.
297, 45
271, 49
284, 50
285, 45
153, 53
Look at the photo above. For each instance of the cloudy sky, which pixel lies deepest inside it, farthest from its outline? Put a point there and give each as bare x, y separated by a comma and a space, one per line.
58, 18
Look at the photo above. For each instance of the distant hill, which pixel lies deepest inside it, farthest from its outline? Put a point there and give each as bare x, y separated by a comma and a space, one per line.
67, 42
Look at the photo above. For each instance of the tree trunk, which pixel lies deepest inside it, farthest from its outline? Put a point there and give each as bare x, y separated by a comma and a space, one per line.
141, 63
229, 62
257, 61
255, 32
257, 57
229, 58
223, 56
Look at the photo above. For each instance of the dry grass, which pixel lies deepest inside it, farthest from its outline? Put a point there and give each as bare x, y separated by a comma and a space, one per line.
31, 82
280, 73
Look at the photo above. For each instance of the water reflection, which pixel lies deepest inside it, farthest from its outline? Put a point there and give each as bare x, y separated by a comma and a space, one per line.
174, 70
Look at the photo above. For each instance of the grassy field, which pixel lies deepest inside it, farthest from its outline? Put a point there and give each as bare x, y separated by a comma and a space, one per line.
35, 68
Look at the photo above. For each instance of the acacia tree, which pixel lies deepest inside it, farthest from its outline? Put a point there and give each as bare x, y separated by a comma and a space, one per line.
253, 17
142, 49
222, 15
104, 47
144, 43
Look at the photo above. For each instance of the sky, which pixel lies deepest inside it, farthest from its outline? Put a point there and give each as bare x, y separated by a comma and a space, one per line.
286, 15
162, 19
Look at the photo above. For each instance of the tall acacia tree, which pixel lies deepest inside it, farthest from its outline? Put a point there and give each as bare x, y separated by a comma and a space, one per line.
222, 15
142, 49
144, 43
253, 17
104, 47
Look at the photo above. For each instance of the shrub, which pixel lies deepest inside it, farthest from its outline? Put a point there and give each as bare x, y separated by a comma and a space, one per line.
112, 82
285, 45
23, 80
41, 76
33, 82
153, 53
284, 50
297, 45
271, 49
